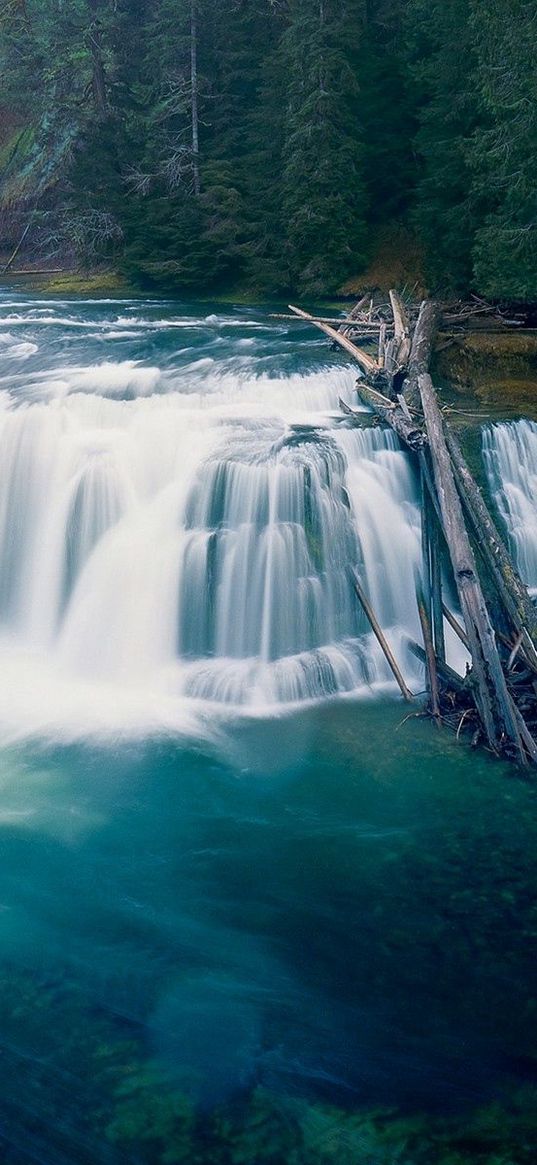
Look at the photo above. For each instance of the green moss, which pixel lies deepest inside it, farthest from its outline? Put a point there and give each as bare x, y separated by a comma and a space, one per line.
493, 374
148, 1114
18, 147
51, 1033
104, 282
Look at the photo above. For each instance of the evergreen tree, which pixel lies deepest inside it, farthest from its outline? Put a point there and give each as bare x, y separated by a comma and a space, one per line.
206, 236
204, 143
443, 65
323, 189
388, 111
504, 148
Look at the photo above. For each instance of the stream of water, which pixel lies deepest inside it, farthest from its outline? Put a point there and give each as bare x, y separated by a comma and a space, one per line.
225, 859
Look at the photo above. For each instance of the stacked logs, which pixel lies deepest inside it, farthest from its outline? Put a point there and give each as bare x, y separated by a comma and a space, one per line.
496, 702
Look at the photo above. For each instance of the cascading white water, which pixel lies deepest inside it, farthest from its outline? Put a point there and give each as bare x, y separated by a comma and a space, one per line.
183, 535
510, 456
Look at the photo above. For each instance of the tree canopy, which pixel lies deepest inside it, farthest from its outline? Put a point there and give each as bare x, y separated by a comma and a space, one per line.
201, 143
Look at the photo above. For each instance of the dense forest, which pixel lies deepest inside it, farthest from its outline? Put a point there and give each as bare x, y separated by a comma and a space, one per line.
269, 143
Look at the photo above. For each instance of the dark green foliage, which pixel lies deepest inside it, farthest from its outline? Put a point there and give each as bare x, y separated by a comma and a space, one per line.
504, 148
204, 144
323, 195
388, 104
442, 63
476, 205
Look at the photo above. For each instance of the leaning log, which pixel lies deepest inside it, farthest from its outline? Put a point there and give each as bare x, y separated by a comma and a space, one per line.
455, 625
398, 348
362, 358
432, 677
493, 700
380, 636
513, 593
12, 257
420, 352
450, 678
355, 312
390, 412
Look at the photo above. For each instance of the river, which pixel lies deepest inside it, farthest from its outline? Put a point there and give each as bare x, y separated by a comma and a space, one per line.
246, 901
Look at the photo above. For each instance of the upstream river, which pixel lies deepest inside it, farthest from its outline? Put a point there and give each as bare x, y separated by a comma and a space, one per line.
246, 904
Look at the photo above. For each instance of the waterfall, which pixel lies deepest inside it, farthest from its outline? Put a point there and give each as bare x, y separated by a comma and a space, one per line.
186, 535
510, 456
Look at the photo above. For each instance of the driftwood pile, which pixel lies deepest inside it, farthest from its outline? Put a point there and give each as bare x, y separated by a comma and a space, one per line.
496, 702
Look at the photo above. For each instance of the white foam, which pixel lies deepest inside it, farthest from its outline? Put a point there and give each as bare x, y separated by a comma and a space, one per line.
178, 540
45, 701
125, 378
12, 349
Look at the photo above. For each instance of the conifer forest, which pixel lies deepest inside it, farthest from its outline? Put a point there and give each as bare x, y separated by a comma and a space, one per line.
272, 143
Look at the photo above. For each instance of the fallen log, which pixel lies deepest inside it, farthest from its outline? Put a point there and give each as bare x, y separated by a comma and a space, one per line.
454, 623
377, 629
431, 562
12, 257
513, 593
493, 700
362, 358
432, 677
351, 321
398, 348
36, 271
389, 412
420, 351
446, 673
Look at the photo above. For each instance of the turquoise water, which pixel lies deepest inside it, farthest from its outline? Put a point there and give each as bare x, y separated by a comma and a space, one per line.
349, 922
235, 938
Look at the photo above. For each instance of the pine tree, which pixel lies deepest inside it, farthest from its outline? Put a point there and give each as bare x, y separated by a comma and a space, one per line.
442, 63
504, 148
388, 111
205, 143
323, 190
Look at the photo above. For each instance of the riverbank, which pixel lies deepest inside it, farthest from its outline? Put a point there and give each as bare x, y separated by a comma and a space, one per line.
495, 371
102, 282
108, 281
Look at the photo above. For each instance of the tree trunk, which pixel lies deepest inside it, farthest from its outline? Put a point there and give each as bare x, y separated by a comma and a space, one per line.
366, 362
377, 629
98, 80
420, 351
390, 412
194, 95
398, 348
492, 697
513, 593
432, 677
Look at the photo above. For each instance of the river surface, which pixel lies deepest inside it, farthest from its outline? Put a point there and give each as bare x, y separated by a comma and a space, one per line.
231, 866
